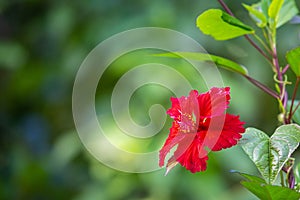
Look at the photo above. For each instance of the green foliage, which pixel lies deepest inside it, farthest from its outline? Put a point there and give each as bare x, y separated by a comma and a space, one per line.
42, 45
265, 4
270, 153
222, 62
274, 9
277, 12
221, 26
256, 13
287, 12
266, 191
293, 59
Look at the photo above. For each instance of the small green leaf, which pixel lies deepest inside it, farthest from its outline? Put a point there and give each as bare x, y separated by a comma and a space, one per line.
256, 13
293, 58
265, 4
221, 25
266, 191
222, 62
274, 9
287, 11
270, 154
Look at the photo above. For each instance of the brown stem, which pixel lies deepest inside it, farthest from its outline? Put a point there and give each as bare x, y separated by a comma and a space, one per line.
277, 67
225, 7
283, 93
257, 47
262, 87
293, 98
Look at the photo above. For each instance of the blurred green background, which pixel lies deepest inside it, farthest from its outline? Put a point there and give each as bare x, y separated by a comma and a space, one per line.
42, 45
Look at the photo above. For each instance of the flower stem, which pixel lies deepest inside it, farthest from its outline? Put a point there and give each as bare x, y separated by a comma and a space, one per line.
262, 43
257, 47
262, 87
279, 74
276, 64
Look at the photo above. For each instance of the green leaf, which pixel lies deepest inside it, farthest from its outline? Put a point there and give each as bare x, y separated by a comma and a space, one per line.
270, 154
221, 25
296, 116
293, 58
257, 189
256, 145
253, 178
256, 13
272, 192
222, 62
266, 191
274, 9
265, 4
287, 12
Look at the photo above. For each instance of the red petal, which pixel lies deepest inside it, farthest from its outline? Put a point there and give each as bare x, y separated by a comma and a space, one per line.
171, 141
216, 129
175, 137
194, 157
175, 110
184, 106
214, 102
231, 133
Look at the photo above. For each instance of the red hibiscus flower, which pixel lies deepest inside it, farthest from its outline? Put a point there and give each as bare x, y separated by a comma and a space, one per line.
200, 123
